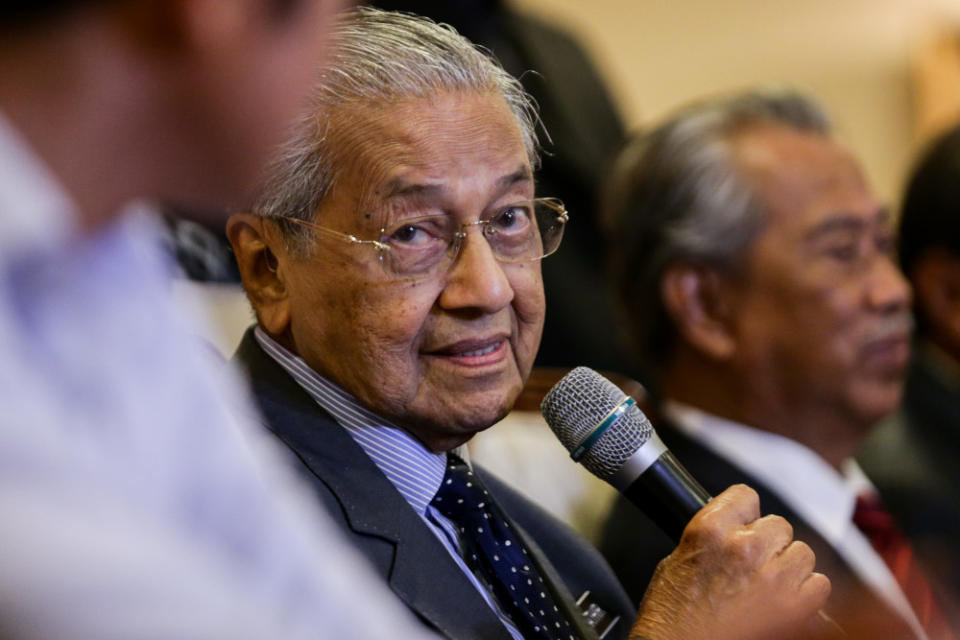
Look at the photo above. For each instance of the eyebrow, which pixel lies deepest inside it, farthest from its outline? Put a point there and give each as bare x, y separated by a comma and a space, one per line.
523, 174
847, 222
401, 188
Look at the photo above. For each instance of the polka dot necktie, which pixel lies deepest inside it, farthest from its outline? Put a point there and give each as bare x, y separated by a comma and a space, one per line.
494, 552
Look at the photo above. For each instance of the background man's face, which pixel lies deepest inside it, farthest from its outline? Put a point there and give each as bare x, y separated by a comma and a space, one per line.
445, 356
821, 310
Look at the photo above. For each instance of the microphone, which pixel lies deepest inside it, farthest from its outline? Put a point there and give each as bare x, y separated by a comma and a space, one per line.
605, 431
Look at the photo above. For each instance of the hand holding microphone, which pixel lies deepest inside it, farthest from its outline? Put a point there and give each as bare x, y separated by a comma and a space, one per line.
734, 575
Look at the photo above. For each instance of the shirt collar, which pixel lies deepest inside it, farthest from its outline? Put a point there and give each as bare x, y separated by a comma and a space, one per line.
805, 481
36, 213
413, 469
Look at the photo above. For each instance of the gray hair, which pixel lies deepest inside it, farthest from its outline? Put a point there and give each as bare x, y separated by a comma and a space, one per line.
377, 57
676, 195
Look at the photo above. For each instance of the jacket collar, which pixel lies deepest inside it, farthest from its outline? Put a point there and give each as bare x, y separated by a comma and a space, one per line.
415, 566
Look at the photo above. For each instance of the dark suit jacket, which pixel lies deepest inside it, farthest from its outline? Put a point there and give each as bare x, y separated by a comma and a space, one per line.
402, 550
914, 461
628, 530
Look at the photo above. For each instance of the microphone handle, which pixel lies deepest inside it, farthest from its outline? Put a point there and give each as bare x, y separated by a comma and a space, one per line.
668, 494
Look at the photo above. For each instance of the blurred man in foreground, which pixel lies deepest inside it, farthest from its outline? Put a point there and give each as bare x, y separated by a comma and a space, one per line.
393, 263
133, 504
754, 266
912, 458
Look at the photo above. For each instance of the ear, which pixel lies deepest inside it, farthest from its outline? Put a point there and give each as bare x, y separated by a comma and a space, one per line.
936, 282
694, 297
256, 248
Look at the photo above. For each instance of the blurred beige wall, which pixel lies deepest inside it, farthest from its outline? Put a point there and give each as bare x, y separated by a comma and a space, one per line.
854, 56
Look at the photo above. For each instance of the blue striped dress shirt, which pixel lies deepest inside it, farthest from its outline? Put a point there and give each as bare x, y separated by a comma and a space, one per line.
414, 470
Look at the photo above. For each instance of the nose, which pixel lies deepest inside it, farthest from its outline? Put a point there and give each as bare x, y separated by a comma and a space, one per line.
477, 279
889, 289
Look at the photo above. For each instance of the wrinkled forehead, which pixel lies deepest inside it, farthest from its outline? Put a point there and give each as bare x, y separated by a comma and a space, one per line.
801, 179
393, 158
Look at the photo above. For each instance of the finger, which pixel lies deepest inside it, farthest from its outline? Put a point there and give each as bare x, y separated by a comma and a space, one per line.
798, 559
775, 533
814, 591
738, 505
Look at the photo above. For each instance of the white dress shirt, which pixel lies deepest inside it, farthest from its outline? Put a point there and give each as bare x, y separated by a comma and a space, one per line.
134, 503
817, 492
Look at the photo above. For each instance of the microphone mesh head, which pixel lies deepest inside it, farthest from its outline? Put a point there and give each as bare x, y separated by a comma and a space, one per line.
577, 404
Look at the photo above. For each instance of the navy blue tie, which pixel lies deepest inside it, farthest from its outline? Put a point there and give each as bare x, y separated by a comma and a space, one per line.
492, 549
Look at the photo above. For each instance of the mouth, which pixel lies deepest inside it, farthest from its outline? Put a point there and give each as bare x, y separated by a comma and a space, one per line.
473, 353
889, 353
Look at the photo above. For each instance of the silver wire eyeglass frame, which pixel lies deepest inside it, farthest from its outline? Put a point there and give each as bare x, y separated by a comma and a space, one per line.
549, 218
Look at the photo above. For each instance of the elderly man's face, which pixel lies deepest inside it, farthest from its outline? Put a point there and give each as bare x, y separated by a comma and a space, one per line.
820, 309
444, 356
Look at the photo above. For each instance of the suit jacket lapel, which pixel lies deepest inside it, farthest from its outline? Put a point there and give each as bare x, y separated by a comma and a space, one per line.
417, 568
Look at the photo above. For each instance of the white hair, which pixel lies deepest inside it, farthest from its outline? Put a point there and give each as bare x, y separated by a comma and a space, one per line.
378, 57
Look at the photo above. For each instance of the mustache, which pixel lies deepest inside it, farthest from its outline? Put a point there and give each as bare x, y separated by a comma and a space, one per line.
895, 325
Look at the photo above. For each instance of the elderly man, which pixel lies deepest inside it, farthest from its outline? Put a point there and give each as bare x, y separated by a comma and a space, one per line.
393, 264
134, 503
912, 458
753, 263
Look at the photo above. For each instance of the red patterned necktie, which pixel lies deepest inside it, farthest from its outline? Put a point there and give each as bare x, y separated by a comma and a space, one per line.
889, 542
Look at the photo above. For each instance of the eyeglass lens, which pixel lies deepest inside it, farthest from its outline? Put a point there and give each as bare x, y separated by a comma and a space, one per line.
516, 233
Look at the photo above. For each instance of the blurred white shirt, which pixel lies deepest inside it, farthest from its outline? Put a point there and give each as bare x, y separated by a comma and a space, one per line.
134, 503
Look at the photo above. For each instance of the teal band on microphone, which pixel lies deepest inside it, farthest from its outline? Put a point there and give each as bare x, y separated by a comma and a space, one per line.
591, 439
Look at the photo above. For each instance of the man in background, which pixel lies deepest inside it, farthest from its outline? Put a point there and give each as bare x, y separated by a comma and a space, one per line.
912, 458
754, 267
134, 504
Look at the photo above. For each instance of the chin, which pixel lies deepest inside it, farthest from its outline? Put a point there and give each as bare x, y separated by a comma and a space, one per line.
445, 410
445, 436
447, 426
481, 418
879, 402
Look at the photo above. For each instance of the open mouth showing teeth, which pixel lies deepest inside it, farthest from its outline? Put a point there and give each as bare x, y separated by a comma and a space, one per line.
480, 352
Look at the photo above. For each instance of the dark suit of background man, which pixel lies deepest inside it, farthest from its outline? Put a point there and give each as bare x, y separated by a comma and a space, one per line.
394, 265
753, 264
913, 457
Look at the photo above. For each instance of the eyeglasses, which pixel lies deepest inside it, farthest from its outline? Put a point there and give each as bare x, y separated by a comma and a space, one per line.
429, 245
